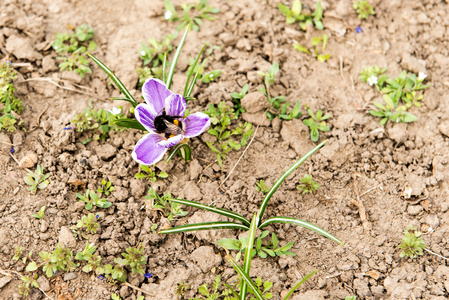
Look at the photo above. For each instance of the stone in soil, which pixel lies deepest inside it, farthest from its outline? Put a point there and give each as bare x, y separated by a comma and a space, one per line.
206, 258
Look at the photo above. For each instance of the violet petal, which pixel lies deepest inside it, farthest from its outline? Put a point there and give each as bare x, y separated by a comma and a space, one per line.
195, 124
171, 141
155, 92
147, 150
145, 114
175, 105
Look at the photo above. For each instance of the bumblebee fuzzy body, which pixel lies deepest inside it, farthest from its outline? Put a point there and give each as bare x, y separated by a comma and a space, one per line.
168, 125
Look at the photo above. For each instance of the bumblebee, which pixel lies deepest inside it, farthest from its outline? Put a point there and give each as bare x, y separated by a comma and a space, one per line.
168, 125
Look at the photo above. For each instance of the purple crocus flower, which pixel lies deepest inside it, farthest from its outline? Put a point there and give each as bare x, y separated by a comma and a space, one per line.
163, 116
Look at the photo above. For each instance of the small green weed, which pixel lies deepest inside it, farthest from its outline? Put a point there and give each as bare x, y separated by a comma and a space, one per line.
154, 51
316, 41
316, 123
297, 14
146, 172
59, 259
92, 261
8, 103
350, 298
193, 14
261, 186
134, 258
272, 248
168, 208
308, 185
236, 98
37, 180
40, 214
106, 188
277, 109
200, 68
363, 9
221, 117
86, 224
91, 199
412, 243
27, 284
181, 289
399, 94
100, 122
17, 253
75, 43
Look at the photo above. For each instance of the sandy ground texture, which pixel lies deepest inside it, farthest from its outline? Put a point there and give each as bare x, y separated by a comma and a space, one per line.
384, 161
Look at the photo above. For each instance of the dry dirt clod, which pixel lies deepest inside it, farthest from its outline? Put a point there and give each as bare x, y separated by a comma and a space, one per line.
28, 161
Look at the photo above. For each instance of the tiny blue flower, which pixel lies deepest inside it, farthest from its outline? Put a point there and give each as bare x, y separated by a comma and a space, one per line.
67, 128
148, 275
97, 216
12, 150
101, 277
358, 29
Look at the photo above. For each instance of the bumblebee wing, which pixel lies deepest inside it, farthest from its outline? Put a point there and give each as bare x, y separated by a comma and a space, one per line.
172, 128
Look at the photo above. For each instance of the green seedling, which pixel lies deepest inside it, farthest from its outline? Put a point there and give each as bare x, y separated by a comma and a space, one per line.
163, 203
272, 248
8, 103
399, 94
199, 68
91, 199
74, 46
181, 289
27, 284
146, 172
115, 297
87, 224
17, 253
112, 274
316, 124
308, 185
40, 214
106, 188
154, 51
264, 287
92, 261
59, 259
350, 298
319, 51
297, 14
134, 258
363, 9
221, 117
277, 106
37, 180
192, 15
236, 98
210, 76
412, 243
261, 186
146, 72
98, 123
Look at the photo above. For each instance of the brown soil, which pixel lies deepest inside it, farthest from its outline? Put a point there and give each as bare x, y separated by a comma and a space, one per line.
385, 161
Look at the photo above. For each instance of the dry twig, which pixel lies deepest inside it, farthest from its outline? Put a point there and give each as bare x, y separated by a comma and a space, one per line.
359, 204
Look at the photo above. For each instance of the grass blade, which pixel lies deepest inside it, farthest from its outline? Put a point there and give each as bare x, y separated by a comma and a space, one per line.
171, 72
187, 155
205, 226
293, 289
189, 91
223, 212
164, 66
115, 79
301, 223
247, 257
281, 179
129, 123
186, 88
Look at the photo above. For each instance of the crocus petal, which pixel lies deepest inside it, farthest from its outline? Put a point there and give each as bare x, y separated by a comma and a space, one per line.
195, 124
171, 141
175, 105
147, 150
155, 92
145, 114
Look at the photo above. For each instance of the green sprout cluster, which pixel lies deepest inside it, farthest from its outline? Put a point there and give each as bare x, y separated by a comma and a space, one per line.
278, 107
262, 187
74, 46
8, 103
91, 199
146, 172
192, 14
200, 69
399, 94
316, 124
412, 243
40, 214
298, 14
319, 51
87, 224
237, 98
221, 117
37, 180
98, 122
59, 259
164, 204
308, 185
272, 248
363, 9
134, 258
106, 187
